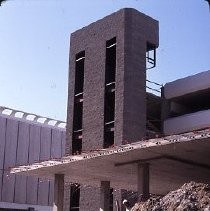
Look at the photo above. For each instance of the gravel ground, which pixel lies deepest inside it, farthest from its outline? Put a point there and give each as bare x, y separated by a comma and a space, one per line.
190, 197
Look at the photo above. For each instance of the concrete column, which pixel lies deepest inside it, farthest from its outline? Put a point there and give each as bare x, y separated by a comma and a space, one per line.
105, 196
143, 181
58, 192
118, 197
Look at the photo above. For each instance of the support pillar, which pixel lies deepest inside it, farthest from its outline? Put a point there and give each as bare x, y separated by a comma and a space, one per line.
58, 192
143, 181
105, 196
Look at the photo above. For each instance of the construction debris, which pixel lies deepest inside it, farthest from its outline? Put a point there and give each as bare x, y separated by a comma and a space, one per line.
190, 197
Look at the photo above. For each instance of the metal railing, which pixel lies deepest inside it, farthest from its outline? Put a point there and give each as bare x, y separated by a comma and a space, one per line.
154, 87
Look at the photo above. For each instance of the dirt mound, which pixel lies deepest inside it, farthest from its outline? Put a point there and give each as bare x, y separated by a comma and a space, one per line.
190, 197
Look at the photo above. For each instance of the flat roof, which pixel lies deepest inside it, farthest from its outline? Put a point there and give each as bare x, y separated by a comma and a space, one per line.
187, 85
173, 161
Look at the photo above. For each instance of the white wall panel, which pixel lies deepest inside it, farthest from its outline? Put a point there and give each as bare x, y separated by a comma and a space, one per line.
10, 160
45, 147
20, 189
1, 177
63, 146
2, 148
56, 144
34, 153
32, 189
45, 154
2, 140
56, 152
8, 187
22, 159
23, 142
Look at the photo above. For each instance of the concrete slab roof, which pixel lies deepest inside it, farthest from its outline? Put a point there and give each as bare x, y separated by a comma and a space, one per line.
187, 85
173, 161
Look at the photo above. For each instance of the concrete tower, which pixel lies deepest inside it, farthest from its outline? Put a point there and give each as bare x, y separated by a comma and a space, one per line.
107, 84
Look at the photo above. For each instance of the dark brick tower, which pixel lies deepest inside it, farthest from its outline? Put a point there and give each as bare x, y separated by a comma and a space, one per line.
107, 85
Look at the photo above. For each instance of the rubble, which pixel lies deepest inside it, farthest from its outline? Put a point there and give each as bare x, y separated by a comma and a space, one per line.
191, 196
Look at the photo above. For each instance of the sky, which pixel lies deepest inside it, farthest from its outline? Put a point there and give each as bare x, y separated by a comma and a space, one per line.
35, 36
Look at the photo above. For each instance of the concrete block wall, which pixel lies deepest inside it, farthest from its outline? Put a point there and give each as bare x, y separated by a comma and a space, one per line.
133, 30
93, 39
139, 30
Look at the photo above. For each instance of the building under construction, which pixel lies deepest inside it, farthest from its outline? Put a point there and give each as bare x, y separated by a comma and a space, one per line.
120, 137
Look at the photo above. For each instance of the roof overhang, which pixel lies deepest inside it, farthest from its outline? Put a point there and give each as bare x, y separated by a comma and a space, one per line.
173, 161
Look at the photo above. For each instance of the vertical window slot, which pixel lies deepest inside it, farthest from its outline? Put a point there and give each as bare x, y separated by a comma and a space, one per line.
79, 72
78, 103
109, 101
75, 197
110, 61
77, 121
108, 138
77, 143
109, 106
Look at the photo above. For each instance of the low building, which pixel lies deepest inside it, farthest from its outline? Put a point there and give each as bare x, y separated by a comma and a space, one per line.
25, 139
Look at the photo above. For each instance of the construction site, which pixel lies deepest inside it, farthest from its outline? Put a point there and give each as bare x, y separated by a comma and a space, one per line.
123, 138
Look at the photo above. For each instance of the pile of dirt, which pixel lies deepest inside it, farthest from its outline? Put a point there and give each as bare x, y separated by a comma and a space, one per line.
190, 197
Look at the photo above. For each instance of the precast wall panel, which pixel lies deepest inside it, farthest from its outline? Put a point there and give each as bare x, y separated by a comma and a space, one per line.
10, 160
1, 177
34, 151
22, 159
45, 153
2, 141
56, 145
56, 152
63, 144
2, 149
24, 142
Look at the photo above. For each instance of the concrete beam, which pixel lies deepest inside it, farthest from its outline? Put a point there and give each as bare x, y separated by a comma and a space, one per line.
143, 181
58, 192
105, 196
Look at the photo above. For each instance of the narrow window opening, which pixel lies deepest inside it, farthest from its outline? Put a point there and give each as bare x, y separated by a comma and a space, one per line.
77, 142
110, 87
78, 103
109, 106
109, 136
110, 60
75, 197
109, 139
79, 72
79, 98
77, 120
109, 101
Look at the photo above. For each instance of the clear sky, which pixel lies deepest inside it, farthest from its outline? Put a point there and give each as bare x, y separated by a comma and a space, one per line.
34, 46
